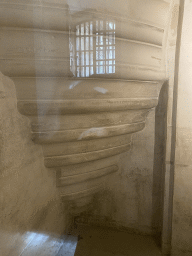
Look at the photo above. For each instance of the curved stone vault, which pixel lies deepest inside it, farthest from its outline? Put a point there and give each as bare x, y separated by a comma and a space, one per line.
86, 76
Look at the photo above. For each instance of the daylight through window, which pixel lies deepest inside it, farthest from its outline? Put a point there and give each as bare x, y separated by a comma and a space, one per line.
94, 49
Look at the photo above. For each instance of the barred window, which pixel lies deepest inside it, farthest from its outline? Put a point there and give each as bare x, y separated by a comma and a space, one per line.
94, 48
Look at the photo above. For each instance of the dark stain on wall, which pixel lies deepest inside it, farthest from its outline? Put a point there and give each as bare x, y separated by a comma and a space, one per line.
159, 158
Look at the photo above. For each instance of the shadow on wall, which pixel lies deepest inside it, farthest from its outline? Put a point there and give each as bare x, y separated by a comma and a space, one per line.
159, 159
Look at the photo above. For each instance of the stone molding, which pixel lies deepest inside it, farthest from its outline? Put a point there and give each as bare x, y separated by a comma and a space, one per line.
81, 128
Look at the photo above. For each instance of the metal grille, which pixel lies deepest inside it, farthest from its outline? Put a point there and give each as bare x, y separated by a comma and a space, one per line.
95, 54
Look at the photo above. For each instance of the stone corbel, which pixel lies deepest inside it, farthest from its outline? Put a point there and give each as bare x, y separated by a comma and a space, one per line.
82, 123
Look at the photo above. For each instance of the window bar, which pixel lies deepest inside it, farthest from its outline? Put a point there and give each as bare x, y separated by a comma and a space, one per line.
90, 49
76, 71
94, 47
114, 49
79, 50
84, 27
98, 48
75, 51
104, 47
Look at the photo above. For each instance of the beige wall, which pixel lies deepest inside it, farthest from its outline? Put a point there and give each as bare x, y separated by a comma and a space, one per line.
29, 199
133, 198
29, 196
129, 202
134, 202
137, 201
182, 200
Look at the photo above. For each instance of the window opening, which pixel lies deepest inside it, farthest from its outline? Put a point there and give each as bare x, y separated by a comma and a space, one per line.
94, 48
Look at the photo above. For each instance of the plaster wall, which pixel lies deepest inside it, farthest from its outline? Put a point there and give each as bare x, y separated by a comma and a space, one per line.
182, 198
29, 200
29, 196
140, 198
134, 202
133, 197
128, 203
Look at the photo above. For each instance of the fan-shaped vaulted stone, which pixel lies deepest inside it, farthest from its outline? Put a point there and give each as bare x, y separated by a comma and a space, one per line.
86, 74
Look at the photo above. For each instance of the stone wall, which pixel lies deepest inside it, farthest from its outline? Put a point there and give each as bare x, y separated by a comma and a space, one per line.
133, 197
129, 203
139, 199
135, 202
29, 199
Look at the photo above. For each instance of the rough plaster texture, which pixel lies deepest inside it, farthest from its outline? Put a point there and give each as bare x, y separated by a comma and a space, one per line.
168, 168
28, 194
27, 184
132, 203
182, 201
147, 210
129, 202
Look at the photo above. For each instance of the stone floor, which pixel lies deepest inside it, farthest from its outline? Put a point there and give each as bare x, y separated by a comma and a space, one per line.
90, 242
109, 242
36, 244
